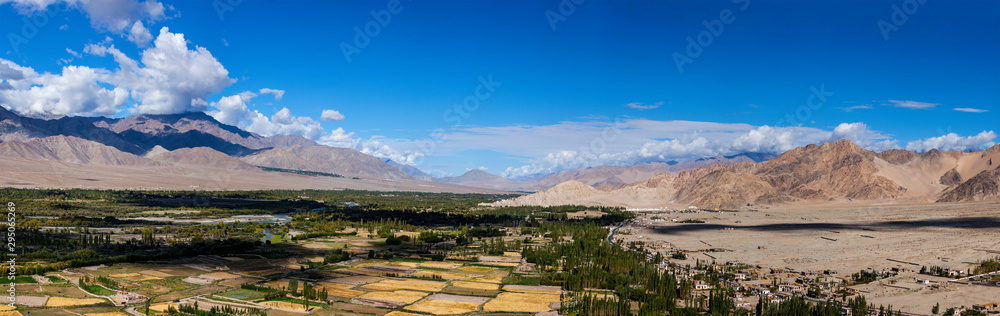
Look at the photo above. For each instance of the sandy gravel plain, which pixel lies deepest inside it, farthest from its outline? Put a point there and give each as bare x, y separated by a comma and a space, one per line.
847, 237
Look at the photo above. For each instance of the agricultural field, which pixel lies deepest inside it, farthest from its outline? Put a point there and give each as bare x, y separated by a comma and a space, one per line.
386, 258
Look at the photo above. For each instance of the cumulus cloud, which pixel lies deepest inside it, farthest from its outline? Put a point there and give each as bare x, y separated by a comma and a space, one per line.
339, 138
7, 71
952, 141
375, 147
139, 35
699, 140
640, 106
861, 135
913, 104
232, 109
170, 78
105, 15
235, 110
331, 115
970, 110
75, 91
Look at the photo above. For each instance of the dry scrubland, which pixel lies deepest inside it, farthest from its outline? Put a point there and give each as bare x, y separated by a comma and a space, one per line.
858, 236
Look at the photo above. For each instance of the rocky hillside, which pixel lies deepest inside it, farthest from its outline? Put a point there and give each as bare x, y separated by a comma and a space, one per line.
834, 171
202, 156
72, 150
342, 161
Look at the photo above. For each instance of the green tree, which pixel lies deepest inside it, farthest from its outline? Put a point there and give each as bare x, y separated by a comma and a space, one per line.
936, 308
293, 286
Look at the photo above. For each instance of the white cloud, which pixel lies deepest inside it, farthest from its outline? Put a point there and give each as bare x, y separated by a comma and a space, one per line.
278, 94
693, 140
170, 79
375, 147
855, 107
913, 104
76, 91
139, 35
74, 53
339, 138
7, 72
235, 110
105, 15
861, 135
970, 110
232, 109
640, 106
331, 115
953, 141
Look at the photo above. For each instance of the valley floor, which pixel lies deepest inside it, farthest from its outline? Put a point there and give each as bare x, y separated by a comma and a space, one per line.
845, 239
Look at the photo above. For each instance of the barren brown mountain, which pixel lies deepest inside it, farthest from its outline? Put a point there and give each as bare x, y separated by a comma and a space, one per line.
202, 156
482, 179
620, 175
838, 170
72, 150
342, 161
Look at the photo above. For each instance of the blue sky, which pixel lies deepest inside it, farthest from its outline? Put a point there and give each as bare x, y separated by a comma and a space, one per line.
573, 85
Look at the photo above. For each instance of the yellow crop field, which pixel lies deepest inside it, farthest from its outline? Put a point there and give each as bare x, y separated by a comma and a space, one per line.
287, 305
392, 285
487, 279
405, 264
221, 275
106, 314
444, 275
398, 313
475, 269
530, 289
123, 275
155, 273
161, 307
340, 289
443, 265
11, 313
63, 301
439, 307
476, 285
396, 296
520, 303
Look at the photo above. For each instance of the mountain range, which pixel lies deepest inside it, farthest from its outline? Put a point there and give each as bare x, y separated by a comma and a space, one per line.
833, 172
195, 150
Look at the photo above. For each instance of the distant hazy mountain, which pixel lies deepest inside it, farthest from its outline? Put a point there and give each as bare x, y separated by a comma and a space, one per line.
834, 171
412, 171
481, 179
620, 175
342, 161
